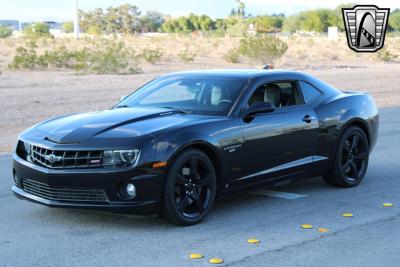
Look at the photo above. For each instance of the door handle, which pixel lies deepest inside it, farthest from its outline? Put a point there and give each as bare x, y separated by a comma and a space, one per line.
308, 118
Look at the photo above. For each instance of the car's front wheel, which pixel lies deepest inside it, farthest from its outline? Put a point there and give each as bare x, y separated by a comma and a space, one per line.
190, 188
351, 159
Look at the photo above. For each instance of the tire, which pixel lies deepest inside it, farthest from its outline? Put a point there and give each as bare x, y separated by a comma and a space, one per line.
351, 159
189, 195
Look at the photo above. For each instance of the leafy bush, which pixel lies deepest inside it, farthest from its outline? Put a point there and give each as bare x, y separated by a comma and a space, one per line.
232, 56
113, 58
104, 58
265, 49
25, 57
36, 30
5, 31
152, 55
186, 56
237, 30
68, 27
385, 55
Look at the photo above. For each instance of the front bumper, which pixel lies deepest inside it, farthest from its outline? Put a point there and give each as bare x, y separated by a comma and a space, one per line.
148, 186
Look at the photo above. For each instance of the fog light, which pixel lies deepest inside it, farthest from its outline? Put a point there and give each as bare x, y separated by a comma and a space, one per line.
130, 190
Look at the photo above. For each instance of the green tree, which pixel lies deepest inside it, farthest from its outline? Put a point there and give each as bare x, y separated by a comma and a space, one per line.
271, 23
37, 29
152, 21
5, 31
394, 20
184, 24
291, 24
91, 20
68, 26
338, 21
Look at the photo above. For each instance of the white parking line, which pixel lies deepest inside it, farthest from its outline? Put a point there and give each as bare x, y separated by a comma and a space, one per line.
284, 195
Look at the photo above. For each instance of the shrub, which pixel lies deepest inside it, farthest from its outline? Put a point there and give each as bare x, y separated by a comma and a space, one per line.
265, 49
60, 58
5, 31
152, 55
68, 27
113, 58
232, 56
104, 58
25, 57
36, 30
385, 55
186, 56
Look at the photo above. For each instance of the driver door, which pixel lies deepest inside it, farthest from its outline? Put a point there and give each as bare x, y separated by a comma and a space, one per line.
281, 142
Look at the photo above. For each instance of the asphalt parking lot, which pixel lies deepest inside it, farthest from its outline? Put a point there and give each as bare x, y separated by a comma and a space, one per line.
35, 235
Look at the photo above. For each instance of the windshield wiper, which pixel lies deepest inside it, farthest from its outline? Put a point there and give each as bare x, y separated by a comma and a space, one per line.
180, 110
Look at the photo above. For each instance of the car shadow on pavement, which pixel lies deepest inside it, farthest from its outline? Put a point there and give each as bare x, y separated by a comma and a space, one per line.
231, 207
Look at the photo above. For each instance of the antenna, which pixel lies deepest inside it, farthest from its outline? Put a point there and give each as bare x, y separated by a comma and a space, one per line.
76, 20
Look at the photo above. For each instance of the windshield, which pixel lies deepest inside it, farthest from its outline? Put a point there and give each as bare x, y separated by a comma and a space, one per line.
196, 95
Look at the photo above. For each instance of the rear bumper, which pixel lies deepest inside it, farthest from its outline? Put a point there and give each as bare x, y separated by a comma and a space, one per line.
148, 187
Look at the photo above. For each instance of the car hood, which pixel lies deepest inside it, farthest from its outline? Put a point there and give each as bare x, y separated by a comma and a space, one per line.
126, 122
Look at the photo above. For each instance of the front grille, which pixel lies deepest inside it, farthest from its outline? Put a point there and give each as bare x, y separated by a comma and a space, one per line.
63, 159
63, 193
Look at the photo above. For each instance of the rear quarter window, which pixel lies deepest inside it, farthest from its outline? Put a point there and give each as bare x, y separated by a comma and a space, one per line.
310, 93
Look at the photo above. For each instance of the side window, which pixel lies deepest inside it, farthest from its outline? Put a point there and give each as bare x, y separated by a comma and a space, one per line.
281, 94
309, 92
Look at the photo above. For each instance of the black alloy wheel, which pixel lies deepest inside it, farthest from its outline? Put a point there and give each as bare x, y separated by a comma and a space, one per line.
354, 157
351, 160
190, 188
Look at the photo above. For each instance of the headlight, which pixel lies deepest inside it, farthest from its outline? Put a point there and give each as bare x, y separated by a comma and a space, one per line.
28, 148
120, 157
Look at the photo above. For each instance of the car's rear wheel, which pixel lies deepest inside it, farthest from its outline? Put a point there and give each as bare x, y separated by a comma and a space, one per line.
190, 188
351, 159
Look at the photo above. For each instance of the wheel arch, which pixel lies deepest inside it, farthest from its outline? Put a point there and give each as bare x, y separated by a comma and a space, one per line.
360, 123
207, 149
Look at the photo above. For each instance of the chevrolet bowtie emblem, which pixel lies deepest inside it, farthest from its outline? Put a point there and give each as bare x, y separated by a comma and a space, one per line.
365, 27
53, 158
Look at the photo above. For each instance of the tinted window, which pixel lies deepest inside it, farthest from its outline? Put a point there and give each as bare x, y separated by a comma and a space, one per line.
309, 92
281, 94
198, 95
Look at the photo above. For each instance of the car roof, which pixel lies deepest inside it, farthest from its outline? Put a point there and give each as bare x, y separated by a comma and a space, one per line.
254, 74
236, 73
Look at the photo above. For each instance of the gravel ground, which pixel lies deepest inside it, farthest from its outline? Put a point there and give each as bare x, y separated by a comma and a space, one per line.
30, 97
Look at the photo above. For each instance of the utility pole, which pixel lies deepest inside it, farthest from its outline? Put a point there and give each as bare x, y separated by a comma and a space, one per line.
20, 27
76, 20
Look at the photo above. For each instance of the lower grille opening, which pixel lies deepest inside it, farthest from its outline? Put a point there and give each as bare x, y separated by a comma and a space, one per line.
63, 193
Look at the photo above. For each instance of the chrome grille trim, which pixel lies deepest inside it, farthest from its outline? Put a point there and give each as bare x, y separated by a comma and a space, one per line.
63, 193
65, 159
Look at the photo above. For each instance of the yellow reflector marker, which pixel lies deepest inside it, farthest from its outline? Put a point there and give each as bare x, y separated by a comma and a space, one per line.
253, 241
159, 164
196, 256
307, 226
323, 230
387, 204
347, 214
216, 261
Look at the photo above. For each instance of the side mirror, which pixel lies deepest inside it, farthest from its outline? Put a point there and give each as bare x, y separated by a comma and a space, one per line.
123, 98
259, 107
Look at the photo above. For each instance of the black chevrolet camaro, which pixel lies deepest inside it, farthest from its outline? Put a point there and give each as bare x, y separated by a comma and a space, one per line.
183, 139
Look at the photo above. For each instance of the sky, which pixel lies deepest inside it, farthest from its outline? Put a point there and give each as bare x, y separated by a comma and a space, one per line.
63, 10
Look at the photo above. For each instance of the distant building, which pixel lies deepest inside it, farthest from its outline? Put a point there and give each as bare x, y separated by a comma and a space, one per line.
53, 25
13, 24
55, 28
